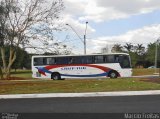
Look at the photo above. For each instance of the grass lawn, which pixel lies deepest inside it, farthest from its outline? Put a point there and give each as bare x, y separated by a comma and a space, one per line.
66, 86
138, 72
22, 73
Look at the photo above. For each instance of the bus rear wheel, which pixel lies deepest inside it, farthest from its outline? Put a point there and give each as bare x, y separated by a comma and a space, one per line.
56, 76
113, 74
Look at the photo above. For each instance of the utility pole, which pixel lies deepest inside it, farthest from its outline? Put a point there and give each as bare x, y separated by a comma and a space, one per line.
159, 55
159, 72
84, 38
156, 56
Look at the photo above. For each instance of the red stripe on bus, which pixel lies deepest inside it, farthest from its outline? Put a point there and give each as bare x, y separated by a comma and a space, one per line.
105, 69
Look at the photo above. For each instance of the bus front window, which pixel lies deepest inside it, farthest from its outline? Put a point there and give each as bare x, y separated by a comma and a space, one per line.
124, 61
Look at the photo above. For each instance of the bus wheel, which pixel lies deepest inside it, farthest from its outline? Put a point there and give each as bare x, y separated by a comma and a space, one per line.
56, 76
113, 74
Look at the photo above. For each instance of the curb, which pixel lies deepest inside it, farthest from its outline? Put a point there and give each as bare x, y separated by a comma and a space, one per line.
92, 94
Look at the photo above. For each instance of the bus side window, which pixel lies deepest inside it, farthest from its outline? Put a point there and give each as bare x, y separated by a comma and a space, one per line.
78, 60
86, 60
116, 59
83, 60
62, 60
98, 59
109, 58
38, 61
51, 60
35, 63
44, 61
71, 60
89, 60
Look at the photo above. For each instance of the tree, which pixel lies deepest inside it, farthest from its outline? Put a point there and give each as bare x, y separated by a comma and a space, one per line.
25, 20
23, 60
151, 52
128, 47
150, 55
3, 32
141, 55
140, 49
117, 48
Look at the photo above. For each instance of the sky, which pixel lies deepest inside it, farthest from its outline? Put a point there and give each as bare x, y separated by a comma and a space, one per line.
109, 22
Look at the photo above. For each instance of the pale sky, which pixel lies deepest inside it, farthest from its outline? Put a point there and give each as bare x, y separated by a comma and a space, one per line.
110, 22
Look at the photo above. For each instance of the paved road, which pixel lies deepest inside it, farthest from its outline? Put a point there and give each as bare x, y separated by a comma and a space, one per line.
115, 104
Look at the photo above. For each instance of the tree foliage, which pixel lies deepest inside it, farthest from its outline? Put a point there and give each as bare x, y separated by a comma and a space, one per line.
23, 20
141, 56
117, 48
23, 59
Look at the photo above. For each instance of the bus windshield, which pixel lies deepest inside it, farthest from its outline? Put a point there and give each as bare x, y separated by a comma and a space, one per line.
124, 61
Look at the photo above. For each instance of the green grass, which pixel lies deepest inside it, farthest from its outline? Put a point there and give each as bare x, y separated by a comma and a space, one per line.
68, 86
22, 73
138, 72
25, 75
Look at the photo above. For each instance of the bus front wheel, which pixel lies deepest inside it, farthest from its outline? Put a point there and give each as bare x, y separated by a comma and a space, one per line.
56, 76
113, 74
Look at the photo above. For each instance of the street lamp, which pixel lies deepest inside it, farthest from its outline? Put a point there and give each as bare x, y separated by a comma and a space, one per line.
156, 56
83, 40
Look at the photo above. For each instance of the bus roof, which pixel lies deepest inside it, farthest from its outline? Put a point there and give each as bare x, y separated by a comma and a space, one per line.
79, 55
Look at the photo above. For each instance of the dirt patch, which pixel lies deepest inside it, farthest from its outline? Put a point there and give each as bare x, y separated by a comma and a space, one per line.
15, 78
153, 80
9, 81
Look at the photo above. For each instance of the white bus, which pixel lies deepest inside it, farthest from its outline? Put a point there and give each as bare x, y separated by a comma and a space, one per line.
81, 66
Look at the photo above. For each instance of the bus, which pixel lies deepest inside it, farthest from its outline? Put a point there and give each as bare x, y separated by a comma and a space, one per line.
59, 67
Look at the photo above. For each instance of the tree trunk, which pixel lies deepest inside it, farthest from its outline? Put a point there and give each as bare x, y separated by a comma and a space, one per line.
3, 60
12, 57
1, 73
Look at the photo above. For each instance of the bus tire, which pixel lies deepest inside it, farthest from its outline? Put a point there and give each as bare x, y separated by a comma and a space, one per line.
56, 76
113, 74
